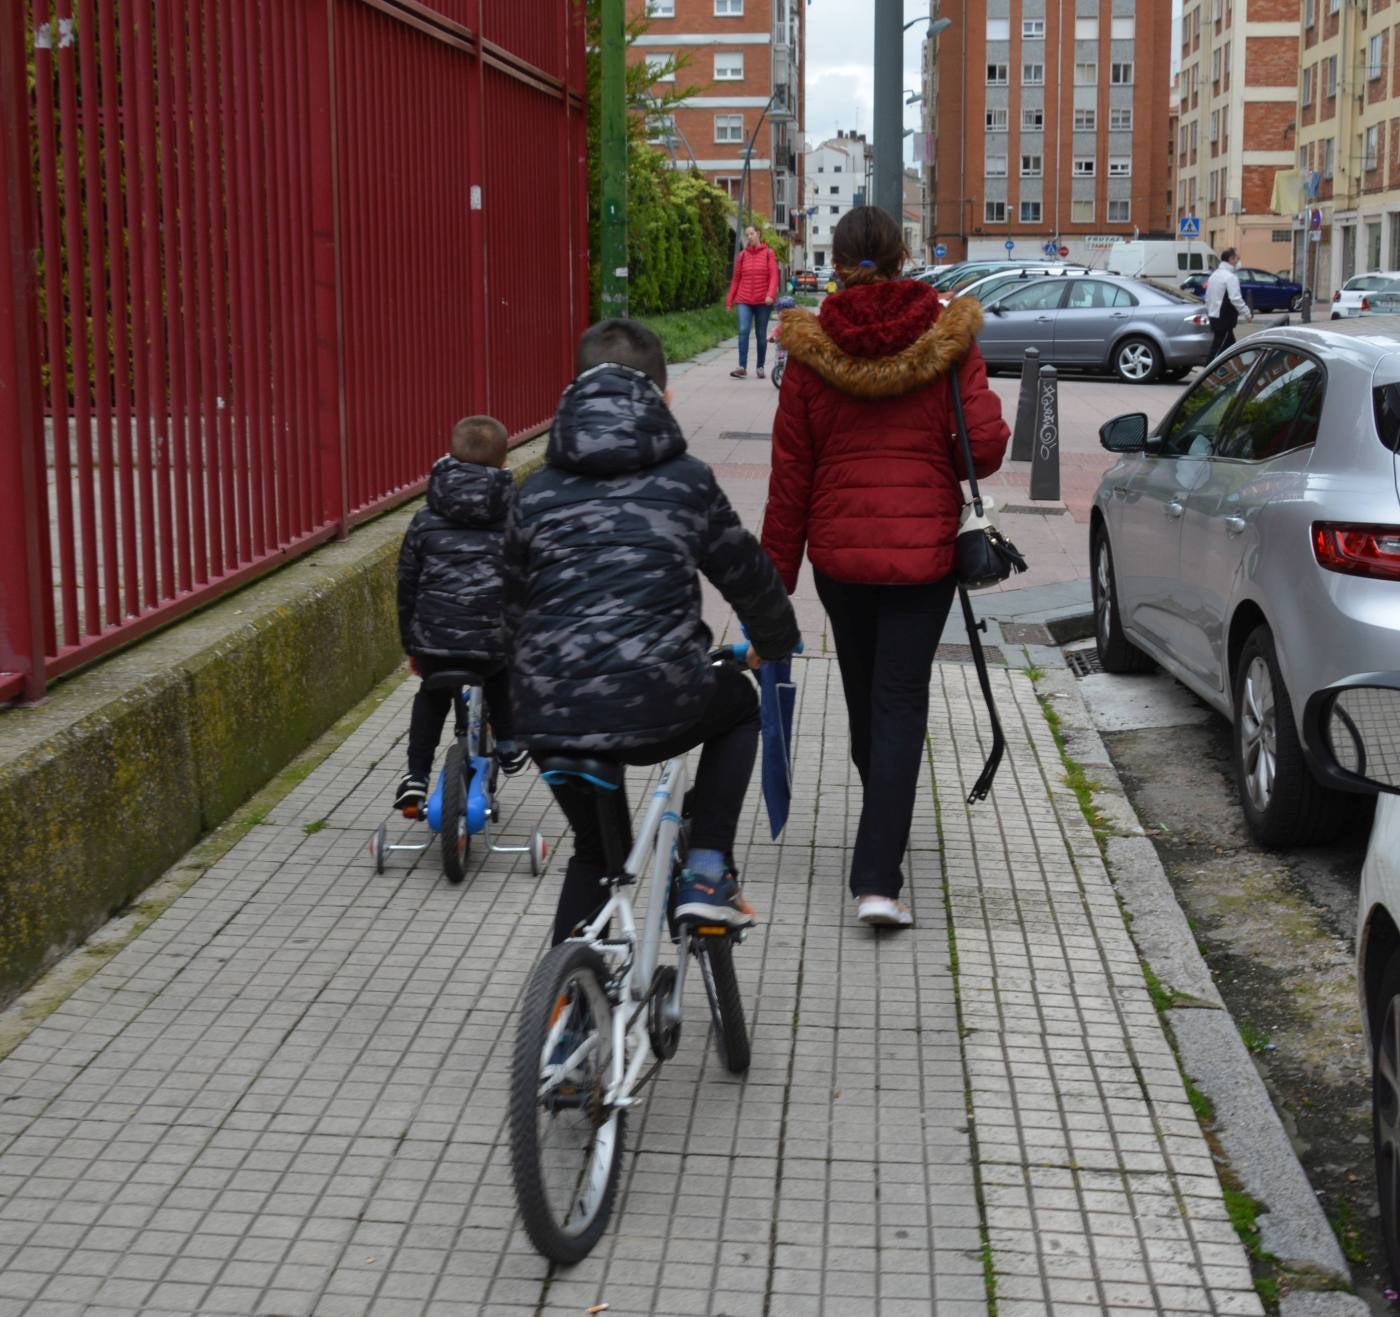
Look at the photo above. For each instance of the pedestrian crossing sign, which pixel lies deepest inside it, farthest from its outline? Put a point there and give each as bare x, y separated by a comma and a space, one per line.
1190, 226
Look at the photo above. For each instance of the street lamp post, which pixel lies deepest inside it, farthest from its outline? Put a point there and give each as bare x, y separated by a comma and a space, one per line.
744, 177
890, 28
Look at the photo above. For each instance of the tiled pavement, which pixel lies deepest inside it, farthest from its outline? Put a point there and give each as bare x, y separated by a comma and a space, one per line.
286, 1096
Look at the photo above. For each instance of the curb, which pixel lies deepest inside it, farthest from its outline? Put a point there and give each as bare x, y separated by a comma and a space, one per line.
1292, 1225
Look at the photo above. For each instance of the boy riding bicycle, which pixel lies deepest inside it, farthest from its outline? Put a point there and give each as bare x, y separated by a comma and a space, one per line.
609, 654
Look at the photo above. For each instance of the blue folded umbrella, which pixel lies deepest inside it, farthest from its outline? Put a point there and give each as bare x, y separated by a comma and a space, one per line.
777, 698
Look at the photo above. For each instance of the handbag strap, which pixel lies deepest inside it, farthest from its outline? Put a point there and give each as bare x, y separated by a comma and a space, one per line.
989, 770
961, 423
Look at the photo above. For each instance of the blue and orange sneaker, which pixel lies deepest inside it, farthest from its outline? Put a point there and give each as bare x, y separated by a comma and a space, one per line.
701, 899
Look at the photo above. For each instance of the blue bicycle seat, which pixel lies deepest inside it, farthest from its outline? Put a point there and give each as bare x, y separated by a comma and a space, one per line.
604, 774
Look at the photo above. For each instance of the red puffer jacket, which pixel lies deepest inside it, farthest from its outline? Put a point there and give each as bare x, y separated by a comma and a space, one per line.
755, 278
866, 463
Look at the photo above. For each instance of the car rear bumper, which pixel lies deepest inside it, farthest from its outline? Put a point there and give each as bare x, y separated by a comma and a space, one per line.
1191, 349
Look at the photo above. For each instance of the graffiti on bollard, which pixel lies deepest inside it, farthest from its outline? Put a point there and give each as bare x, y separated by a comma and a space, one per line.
1045, 457
1022, 436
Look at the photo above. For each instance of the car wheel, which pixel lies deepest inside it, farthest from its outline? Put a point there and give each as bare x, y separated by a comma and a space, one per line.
1283, 803
1384, 1011
1116, 652
1137, 361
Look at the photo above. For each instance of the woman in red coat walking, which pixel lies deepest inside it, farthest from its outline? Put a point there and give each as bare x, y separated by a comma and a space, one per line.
753, 288
866, 476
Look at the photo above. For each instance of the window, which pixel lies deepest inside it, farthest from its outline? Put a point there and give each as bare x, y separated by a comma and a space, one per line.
1086, 29
1215, 125
1371, 149
1030, 212
1030, 166
998, 119
729, 127
1032, 29
1327, 158
821, 169
1331, 71
1193, 429
1124, 29
1120, 166
1214, 183
994, 212
996, 75
729, 66
1081, 212
1215, 64
1120, 119
1183, 139
662, 67
1373, 59
661, 8
833, 210
1121, 212
729, 8
1085, 121
1334, 6
731, 184
1095, 295
1309, 13
1043, 296
835, 169
1086, 75
835, 189
998, 29
1120, 75
1083, 167
1280, 410
995, 166
1306, 86
1032, 75
1032, 120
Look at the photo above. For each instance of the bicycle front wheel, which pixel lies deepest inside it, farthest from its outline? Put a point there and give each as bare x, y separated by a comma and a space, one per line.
716, 957
456, 841
565, 1145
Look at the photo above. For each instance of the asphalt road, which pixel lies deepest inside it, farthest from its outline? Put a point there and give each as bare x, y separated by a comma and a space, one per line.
1277, 929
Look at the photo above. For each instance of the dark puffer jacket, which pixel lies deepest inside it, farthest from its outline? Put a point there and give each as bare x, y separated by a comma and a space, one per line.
451, 600
603, 551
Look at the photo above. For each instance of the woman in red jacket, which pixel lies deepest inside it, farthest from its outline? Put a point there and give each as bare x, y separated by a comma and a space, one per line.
866, 475
753, 287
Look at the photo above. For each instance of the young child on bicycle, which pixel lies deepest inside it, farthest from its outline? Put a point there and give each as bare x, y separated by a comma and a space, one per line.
609, 655
451, 605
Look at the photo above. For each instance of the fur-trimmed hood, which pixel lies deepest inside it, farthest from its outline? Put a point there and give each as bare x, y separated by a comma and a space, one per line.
935, 351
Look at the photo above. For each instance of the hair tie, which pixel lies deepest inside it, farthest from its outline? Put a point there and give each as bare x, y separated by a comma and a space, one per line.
867, 264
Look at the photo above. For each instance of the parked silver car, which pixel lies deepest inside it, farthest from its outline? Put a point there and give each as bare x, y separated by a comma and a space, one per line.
1251, 545
1137, 330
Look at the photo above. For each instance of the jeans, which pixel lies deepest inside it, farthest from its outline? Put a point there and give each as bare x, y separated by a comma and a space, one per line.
886, 637
728, 731
757, 318
431, 707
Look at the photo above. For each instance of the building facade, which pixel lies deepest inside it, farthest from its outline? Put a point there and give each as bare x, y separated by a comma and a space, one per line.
744, 58
836, 176
1238, 123
914, 211
1049, 120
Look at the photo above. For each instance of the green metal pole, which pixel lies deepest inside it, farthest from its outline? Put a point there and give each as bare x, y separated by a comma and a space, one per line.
614, 164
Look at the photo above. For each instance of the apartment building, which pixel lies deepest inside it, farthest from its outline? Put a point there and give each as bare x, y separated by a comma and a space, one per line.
745, 60
1348, 140
1238, 123
1050, 123
836, 176
914, 215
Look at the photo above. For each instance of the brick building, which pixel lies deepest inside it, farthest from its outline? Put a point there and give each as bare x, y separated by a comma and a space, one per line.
739, 55
1050, 122
1239, 87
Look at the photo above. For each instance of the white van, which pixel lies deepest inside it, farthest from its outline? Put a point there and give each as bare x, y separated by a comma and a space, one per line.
1165, 258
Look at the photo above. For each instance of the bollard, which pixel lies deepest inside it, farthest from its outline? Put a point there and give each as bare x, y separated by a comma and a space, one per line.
1306, 312
1025, 408
1045, 455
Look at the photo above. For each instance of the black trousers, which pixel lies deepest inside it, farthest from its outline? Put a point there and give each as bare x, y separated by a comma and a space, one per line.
1223, 328
728, 730
430, 710
886, 637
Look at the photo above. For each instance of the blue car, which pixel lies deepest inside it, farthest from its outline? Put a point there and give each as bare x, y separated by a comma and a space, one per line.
1262, 290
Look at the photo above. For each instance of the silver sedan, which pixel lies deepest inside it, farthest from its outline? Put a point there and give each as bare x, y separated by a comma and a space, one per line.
1102, 322
1251, 545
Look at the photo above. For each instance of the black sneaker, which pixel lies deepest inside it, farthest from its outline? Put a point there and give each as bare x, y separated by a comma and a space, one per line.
511, 757
413, 791
705, 900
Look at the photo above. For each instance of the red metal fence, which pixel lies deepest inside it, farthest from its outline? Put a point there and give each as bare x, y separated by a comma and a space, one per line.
255, 257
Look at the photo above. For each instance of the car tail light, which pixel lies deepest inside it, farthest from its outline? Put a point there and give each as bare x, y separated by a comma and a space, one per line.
1365, 303
1358, 550
1337, 296
1200, 318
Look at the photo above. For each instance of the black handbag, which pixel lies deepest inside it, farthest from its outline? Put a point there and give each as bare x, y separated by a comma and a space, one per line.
982, 555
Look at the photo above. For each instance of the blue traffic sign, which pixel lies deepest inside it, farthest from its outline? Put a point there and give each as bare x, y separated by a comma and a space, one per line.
940, 251
1190, 226
1009, 244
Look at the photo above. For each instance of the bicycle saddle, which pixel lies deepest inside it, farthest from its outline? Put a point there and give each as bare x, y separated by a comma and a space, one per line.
451, 680
602, 773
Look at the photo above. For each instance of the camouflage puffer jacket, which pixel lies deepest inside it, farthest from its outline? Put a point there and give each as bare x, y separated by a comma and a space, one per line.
451, 598
603, 551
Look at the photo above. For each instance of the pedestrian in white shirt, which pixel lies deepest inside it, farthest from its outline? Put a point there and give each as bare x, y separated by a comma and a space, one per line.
1225, 303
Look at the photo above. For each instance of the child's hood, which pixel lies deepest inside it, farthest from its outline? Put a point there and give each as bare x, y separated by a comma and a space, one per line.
613, 420
468, 494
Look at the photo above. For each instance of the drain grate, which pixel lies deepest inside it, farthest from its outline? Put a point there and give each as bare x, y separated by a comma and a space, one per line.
963, 654
761, 436
1083, 661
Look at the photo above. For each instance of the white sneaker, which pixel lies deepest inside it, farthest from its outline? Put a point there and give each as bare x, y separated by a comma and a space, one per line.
883, 912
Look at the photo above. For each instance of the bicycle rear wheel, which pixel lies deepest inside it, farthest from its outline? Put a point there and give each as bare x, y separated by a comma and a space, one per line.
455, 839
716, 956
566, 1147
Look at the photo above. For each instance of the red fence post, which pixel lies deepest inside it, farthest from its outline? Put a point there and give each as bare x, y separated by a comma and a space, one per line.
22, 468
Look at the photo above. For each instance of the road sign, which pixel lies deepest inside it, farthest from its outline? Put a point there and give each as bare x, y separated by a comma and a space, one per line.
1064, 251
1009, 244
1316, 235
940, 251
1190, 226
1048, 248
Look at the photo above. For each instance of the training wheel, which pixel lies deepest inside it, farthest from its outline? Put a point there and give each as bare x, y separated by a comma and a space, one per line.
539, 853
378, 846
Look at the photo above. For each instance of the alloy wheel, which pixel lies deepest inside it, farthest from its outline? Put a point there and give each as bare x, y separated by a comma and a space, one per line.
1103, 590
1386, 1116
1259, 733
1136, 361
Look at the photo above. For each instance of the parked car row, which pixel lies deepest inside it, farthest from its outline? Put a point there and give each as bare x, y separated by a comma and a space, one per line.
1261, 289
